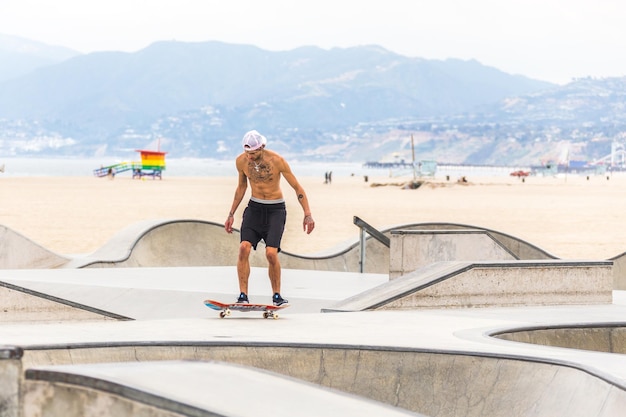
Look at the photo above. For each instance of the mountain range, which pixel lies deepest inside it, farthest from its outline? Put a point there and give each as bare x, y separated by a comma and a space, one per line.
348, 104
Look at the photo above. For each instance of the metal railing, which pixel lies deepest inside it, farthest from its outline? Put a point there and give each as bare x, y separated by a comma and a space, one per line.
366, 228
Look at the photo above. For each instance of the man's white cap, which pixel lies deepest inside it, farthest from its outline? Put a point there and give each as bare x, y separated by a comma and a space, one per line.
253, 140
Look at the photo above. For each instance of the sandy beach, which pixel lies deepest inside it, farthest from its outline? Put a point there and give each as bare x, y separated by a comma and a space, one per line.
571, 216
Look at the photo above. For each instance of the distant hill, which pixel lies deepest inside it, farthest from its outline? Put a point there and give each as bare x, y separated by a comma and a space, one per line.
199, 98
581, 123
345, 104
21, 56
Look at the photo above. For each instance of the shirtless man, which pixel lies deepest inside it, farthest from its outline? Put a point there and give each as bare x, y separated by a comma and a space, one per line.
265, 216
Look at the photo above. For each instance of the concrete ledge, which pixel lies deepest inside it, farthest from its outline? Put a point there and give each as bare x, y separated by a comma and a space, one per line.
482, 284
619, 271
183, 388
11, 352
10, 375
414, 249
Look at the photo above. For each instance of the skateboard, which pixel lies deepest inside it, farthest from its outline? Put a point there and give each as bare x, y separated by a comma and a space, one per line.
269, 311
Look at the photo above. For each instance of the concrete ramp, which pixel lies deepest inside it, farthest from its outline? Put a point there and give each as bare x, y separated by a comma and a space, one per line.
172, 243
17, 251
482, 284
180, 242
158, 243
19, 304
161, 293
184, 388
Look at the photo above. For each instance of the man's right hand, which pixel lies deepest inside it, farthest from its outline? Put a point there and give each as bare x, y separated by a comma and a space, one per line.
228, 225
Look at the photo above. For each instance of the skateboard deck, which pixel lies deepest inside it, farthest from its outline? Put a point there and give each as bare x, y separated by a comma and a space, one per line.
269, 311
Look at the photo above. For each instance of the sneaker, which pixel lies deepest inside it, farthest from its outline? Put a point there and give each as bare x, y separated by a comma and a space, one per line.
278, 300
243, 298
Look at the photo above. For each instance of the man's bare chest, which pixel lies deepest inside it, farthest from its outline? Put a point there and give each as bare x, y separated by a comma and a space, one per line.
262, 172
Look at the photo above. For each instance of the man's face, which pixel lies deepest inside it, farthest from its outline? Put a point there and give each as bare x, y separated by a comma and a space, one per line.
254, 155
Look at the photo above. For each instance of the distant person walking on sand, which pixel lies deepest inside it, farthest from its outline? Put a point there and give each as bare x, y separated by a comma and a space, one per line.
266, 214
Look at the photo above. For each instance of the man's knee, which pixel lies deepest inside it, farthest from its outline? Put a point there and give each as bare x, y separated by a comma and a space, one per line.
244, 250
272, 255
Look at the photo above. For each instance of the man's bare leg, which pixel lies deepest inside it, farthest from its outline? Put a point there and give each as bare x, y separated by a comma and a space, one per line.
273, 268
243, 266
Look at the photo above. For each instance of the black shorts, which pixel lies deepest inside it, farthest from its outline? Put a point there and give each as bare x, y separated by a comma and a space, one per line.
264, 221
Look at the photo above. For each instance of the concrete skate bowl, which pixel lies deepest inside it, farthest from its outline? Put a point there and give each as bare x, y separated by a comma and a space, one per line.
164, 243
610, 337
432, 383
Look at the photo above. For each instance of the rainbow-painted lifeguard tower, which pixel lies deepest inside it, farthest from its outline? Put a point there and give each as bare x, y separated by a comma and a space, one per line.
152, 165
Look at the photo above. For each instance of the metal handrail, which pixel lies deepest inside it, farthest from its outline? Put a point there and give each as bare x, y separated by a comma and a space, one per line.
376, 234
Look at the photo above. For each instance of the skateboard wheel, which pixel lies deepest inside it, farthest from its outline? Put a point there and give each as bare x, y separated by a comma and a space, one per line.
266, 314
222, 314
275, 316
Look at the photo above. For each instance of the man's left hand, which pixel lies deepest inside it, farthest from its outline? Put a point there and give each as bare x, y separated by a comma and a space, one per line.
308, 224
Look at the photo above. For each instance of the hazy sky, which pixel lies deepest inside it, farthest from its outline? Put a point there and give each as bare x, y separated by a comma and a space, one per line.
552, 40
